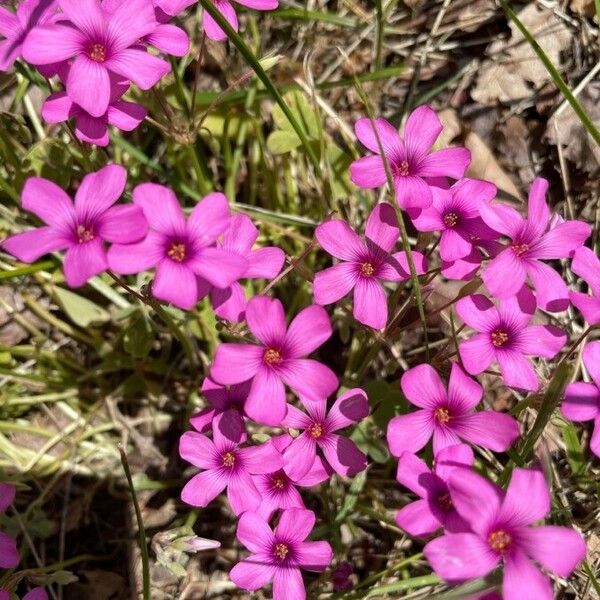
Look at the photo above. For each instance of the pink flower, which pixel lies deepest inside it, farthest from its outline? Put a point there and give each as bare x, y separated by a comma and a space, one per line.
464, 269
365, 264
587, 265
277, 360
533, 239
434, 509
455, 212
214, 32
173, 7
448, 416
226, 465
9, 555
263, 263
277, 556
505, 336
82, 228
502, 532
37, 593
278, 489
319, 431
101, 44
582, 400
410, 158
182, 251
123, 115
16, 27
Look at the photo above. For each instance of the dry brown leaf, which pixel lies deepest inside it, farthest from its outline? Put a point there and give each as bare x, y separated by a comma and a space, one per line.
583, 7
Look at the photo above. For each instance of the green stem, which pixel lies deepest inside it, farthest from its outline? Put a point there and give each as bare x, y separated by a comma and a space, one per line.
26, 270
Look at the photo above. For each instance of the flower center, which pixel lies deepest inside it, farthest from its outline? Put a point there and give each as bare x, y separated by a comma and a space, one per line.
228, 459
84, 234
281, 551
442, 415
97, 52
520, 249
278, 482
367, 269
444, 502
272, 356
451, 219
177, 252
499, 338
402, 168
499, 541
315, 430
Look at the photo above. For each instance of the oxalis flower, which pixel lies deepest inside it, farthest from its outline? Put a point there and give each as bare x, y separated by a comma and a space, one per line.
226, 465
278, 359
434, 508
582, 400
410, 159
182, 251
319, 431
9, 555
278, 556
100, 44
534, 239
587, 265
505, 336
82, 228
447, 415
365, 264
502, 532
37, 593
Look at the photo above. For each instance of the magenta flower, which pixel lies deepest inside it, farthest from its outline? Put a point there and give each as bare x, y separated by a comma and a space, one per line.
226, 465
434, 509
502, 532
82, 228
319, 431
101, 44
278, 489
587, 265
173, 7
410, 159
9, 555
263, 263
455, 213
464, 269
278, 359
214, 32
533, 240
180, 250
37, 593
505, 336
121, 114
448, 416
582, 400
278, 556
16, 27
365, 264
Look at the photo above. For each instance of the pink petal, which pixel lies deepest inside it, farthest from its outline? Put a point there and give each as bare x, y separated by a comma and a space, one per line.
309, 378
254, 572
423, 387
588, 306
9, 23
174, 7
37, 593
460, 556
99, 191
338, 239
517, 371
144, 69
30, 245
542, 340
396, 268
502, 218
49, 202
259, 4
477, 353
123, 224
370, 303
595, 440
89, 86
551, 291
266, 320
417, 519
288, 584
314, 556
591, 360
368, 172
240, 235
296, 419
443, 437
530, 484
214, 31
382, 227
351, 407
86, 15
135, 258
410, 432
309, 329
343, 455
505, 274
255, 533
228, 433
582, 402
242, 494
84, 261
472, 194
204, 487
209, 219
125, 116
265, 263
448, 162
587, 265
318, 473
334, 283
454, 246
428, 219
414, 474
266, 403
47, 44
198, 450
175, 283
130, 22
422, 129
489, 429
57, 108
7, 496
412, 192
478, 312
261, 459
217, 266
295, 525
464, 393
229, 303
161, 208
234, 363
299, 456
538, 213
562, 240
520, 574
388, 135
91, 130
9, 554
450, 458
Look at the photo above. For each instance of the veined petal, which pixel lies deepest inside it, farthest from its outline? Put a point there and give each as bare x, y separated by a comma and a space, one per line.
88, 85
144, 69
382, 227
505, 274
266, 402
551, 291
254, 533
368, 132
412, 192
49, 202
161, 208
253, 572
530, 484
217, 266
487, 428
338, 239
422, 129
423, 387
309, 378
561, 241
84, 261
135, 258
582, 402
350, 408
417, 519
591, 360
175, 283
204, 487
334, 283
86, 15
521, 574
295, 525
212, 29
235, 363
447, 162
410, 432
242, 493
368, 172
343, 455
309, 329
123, 224
130, 22
198, 450
464, 392
587, 265
314, 556
370, 303
48, 44
30, 245
99, 191
517, 371
209, 219
266, 319
477, 353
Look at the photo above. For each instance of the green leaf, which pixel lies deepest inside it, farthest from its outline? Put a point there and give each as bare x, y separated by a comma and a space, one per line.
282, 142
80, 310
575, 454
386, 400
139, 337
